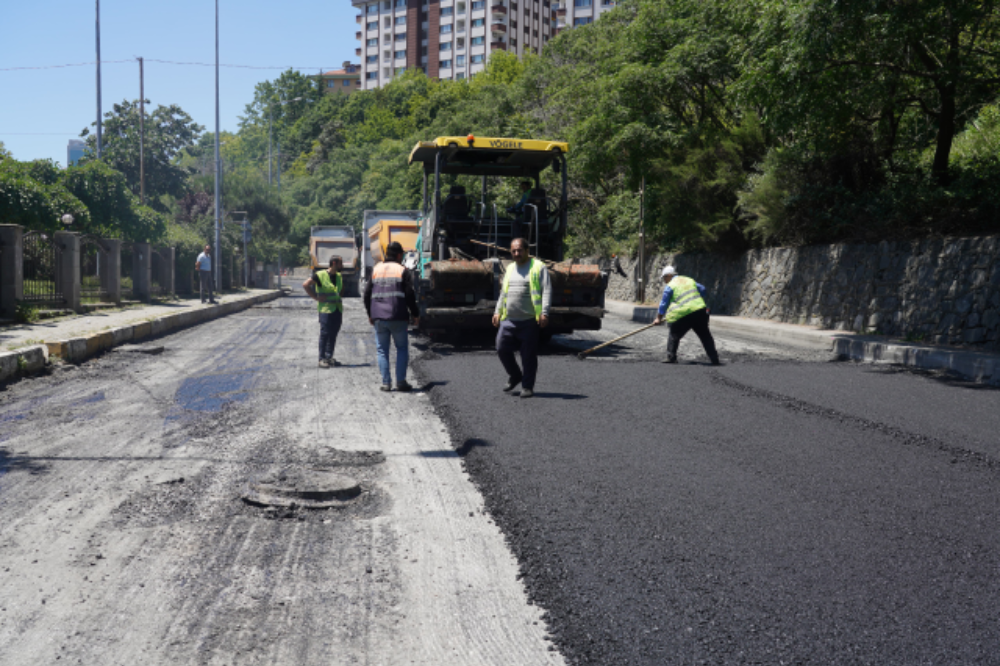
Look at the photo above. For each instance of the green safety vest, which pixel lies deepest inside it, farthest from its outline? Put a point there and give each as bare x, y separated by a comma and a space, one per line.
685, 299
534, 278
325, 286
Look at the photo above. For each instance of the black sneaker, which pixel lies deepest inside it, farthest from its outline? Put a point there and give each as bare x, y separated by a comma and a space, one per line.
669, 359
403, 386
511, 385
385, 387
527, 393
334, 363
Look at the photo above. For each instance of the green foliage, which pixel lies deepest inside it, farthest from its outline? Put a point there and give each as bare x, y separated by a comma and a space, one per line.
168, 131
36, 204
25, 313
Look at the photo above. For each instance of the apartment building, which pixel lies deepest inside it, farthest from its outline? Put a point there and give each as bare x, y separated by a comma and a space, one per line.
572, 13
447, 39
342, 81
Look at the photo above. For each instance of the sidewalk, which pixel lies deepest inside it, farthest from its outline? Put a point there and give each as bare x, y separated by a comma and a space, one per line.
982, 367
26, 348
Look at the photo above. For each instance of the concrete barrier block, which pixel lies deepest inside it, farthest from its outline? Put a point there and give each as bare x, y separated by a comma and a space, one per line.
142, 331
76, 349
122, 335
58, 348
8, 365
34, 358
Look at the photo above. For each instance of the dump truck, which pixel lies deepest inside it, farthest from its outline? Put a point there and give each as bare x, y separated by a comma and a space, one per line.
382, 227
327, 242
464, 243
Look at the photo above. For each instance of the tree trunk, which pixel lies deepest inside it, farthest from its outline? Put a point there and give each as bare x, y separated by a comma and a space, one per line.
945, 135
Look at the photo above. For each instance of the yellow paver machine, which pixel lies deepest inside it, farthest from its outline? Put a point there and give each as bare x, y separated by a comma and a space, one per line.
464, 239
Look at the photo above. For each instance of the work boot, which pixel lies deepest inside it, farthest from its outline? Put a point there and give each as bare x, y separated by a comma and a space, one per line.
385, 387
511, 384
323, 363
334, 363
527, 393
669, 359
403, 386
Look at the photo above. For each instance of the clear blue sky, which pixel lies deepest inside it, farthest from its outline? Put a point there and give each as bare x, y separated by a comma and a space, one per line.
42, 109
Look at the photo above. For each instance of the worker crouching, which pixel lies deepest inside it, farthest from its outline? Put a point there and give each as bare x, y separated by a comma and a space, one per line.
683, 306
522, 311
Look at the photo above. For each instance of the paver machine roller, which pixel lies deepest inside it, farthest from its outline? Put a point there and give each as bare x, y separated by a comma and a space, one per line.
465, 239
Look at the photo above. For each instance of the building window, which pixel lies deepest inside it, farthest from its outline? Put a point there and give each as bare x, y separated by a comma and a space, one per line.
330, 84
423, 50
460, 26
477, 59
460, 76
400, 4
400, 20
372, 9
513, 6
513, 42
461, 43
346, 83
446, 64
460, 61
461, 8
444, 46
584, 20
400, 54
387, 5
373, 41
447, 11
478, 4
373, 25
401, 37
583, 3
446, 28
476, 41
478, 23
513, 24
371, 76
607, 3
372, 60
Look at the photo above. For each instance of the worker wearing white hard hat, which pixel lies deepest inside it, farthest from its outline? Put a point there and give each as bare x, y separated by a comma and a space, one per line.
683, 307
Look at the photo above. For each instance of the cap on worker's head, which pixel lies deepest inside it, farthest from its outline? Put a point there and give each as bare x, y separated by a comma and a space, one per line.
668, 270
394, 248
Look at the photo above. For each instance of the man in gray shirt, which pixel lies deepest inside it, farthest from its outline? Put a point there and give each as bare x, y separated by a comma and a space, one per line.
203, 264
522, 311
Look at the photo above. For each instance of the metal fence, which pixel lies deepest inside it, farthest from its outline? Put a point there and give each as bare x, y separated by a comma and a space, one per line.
93, 266
127, 269
41, 264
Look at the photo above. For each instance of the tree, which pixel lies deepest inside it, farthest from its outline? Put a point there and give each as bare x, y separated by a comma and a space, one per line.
169, 130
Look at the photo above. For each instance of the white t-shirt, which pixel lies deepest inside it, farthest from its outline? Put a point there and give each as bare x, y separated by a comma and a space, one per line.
204, 262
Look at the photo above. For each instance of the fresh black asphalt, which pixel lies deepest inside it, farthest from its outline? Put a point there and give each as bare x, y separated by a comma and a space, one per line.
762, 512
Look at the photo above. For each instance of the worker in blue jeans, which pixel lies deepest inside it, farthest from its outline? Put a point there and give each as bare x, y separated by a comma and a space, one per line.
391, 303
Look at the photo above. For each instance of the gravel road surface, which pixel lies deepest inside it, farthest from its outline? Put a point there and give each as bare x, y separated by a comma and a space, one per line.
124, 538
779, 509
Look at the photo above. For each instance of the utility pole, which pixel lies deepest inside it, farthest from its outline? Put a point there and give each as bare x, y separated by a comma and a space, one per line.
641, 272
98, 28
142, 136
269, 119
218, 163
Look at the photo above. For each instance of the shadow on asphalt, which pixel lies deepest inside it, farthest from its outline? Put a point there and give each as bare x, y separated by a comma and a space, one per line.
460, 452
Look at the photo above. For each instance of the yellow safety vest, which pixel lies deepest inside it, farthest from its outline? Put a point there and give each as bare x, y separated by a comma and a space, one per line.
535, 280
685, 298
325, 286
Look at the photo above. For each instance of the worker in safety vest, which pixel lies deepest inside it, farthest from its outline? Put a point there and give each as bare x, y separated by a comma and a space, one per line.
391, 304
522, 311
325, 287
684, 308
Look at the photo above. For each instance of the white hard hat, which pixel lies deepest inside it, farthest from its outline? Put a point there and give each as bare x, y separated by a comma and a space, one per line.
668, 270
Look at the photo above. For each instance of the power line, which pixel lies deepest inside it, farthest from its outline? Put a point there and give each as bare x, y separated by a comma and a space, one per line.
164, 62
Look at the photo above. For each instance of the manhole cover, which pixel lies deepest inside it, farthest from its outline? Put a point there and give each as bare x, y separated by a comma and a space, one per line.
309, 489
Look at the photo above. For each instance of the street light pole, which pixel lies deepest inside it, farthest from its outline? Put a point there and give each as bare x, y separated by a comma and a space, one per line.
269, 114
218, 163
98, 28
142, 136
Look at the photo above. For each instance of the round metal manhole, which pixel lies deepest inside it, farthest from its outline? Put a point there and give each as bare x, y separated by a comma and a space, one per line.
308, 489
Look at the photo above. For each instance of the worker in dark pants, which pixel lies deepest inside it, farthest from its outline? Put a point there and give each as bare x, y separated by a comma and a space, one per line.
325, 287
522, 311
683, 307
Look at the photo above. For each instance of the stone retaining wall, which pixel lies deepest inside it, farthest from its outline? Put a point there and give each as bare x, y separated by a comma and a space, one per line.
941, 291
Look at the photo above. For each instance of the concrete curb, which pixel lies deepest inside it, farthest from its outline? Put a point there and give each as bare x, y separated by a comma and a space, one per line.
28, 360
980, 367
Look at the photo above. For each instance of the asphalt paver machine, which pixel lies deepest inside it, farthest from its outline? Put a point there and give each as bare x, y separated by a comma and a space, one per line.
465, 238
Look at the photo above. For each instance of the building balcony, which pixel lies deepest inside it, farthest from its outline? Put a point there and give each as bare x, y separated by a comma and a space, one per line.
498, 45
499, 9
357, 35
498, 28
561, 11
358, 18
357, 51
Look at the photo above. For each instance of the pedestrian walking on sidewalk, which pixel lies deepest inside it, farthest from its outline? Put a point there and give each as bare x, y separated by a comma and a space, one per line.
522, 312
683, 307
391, 304
203, 264
325, 287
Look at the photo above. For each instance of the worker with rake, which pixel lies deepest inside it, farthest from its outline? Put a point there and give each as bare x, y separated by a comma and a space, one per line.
683, 307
